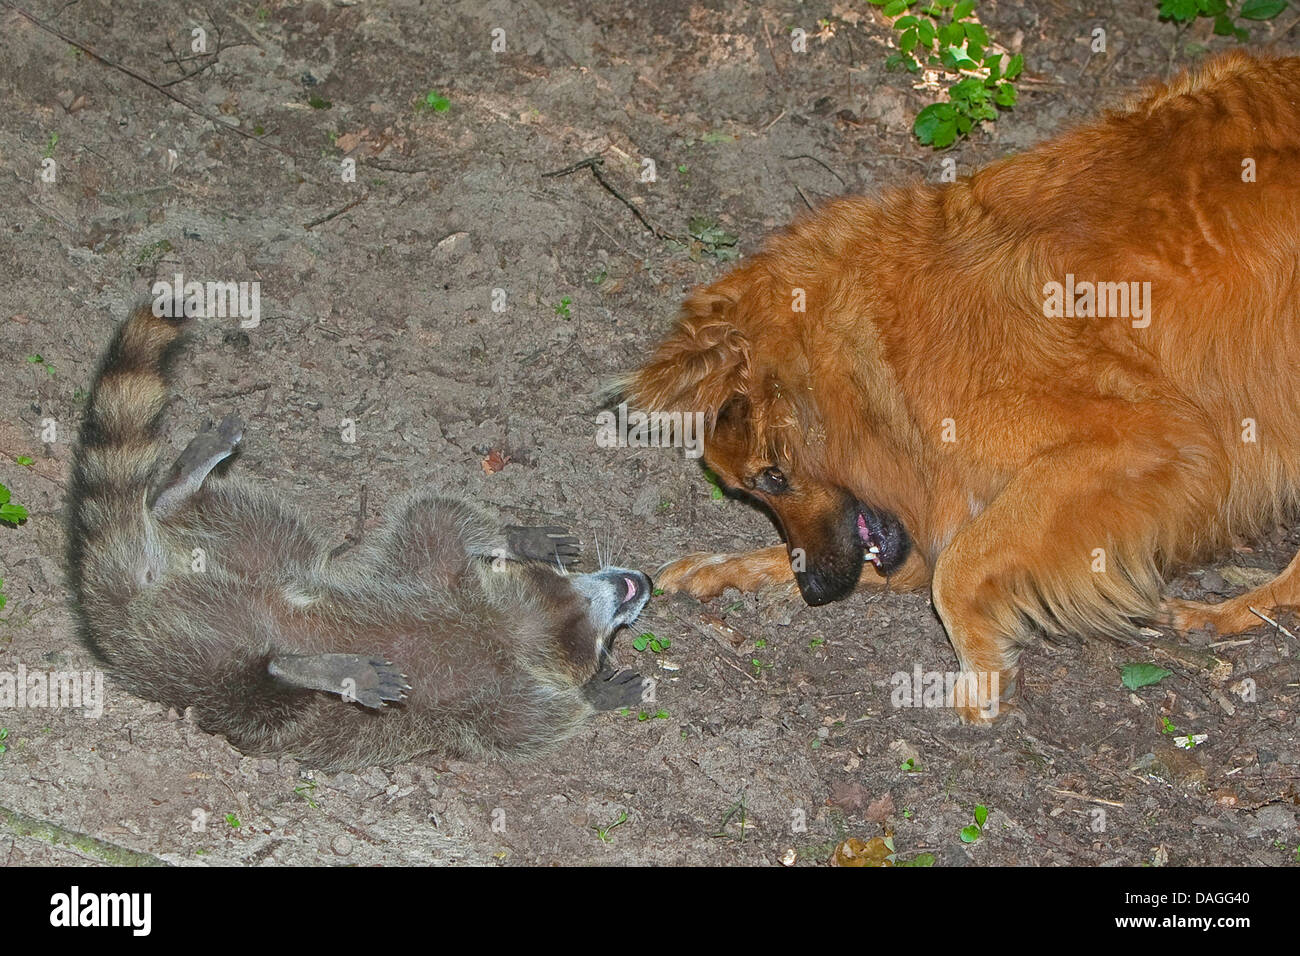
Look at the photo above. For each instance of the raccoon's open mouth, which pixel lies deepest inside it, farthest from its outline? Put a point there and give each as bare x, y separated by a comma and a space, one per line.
635, 591
616, 596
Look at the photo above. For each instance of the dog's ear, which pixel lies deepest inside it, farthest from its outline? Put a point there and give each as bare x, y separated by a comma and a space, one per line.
702, 365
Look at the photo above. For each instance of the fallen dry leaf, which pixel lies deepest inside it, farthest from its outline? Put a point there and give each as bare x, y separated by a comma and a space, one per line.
879, 810
494, 462
853, 852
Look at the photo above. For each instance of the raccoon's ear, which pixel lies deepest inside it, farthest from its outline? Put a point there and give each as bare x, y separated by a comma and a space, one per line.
702, 365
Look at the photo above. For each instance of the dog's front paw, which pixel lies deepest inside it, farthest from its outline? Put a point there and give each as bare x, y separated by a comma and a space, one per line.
703, 576
1230, 617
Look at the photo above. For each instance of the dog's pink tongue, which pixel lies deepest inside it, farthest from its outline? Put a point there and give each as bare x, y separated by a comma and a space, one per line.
863, 533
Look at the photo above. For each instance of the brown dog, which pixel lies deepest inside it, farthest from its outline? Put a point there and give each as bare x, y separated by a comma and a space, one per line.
1035, 390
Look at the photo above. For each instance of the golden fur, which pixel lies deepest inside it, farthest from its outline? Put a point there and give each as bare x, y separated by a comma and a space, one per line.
1049, 471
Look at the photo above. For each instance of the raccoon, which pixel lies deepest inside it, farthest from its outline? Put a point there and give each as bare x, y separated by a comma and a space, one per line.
444, 632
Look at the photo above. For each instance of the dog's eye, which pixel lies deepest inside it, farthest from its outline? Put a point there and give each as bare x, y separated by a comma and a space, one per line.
774, 478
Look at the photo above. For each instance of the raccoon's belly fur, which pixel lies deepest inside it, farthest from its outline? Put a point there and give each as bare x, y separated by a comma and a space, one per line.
203, 590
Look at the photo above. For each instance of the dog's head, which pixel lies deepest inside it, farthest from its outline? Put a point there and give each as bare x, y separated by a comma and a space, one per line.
802, 415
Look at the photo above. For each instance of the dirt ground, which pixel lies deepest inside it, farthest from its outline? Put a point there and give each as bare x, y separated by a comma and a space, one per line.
775, 738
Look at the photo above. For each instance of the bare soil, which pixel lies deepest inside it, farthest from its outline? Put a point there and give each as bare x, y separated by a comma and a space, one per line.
382, 314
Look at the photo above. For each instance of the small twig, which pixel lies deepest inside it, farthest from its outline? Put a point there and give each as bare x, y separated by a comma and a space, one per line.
337, 212
1265, 617
772, 122
802, 196
594, 163
240, 392
1084, 796
1217, 644
819, 163
771, 51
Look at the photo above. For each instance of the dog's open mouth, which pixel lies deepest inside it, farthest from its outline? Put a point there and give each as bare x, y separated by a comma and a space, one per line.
883, 539
870, 542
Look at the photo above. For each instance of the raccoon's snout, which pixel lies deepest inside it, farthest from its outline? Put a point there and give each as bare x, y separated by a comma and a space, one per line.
616, 596
635, 592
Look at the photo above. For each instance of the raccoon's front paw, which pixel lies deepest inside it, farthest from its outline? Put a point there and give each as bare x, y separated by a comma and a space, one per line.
543, 543
614, 690
369, 681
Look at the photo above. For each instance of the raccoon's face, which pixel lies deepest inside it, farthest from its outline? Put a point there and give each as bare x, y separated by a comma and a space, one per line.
579, 613
615, 597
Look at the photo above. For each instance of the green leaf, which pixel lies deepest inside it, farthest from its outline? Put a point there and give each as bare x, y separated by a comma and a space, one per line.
970, 834
902, 23
894, 7
1262, 9
952, 34
1016, 64
13, 514
318, 103
1006, 95
976, 34
1142, 675
921, 859
1180, 10
24, 461
893, 61
981, 815
926, 29
1212, 8
936, 125
435, 101
963, 9
907, 42
1223, 25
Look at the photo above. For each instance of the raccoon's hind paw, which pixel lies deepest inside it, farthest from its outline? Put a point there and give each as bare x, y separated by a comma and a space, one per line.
613, 690
369, 681
549, 544
208, 449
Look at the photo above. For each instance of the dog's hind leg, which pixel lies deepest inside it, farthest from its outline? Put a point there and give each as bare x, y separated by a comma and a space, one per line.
1235, 615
